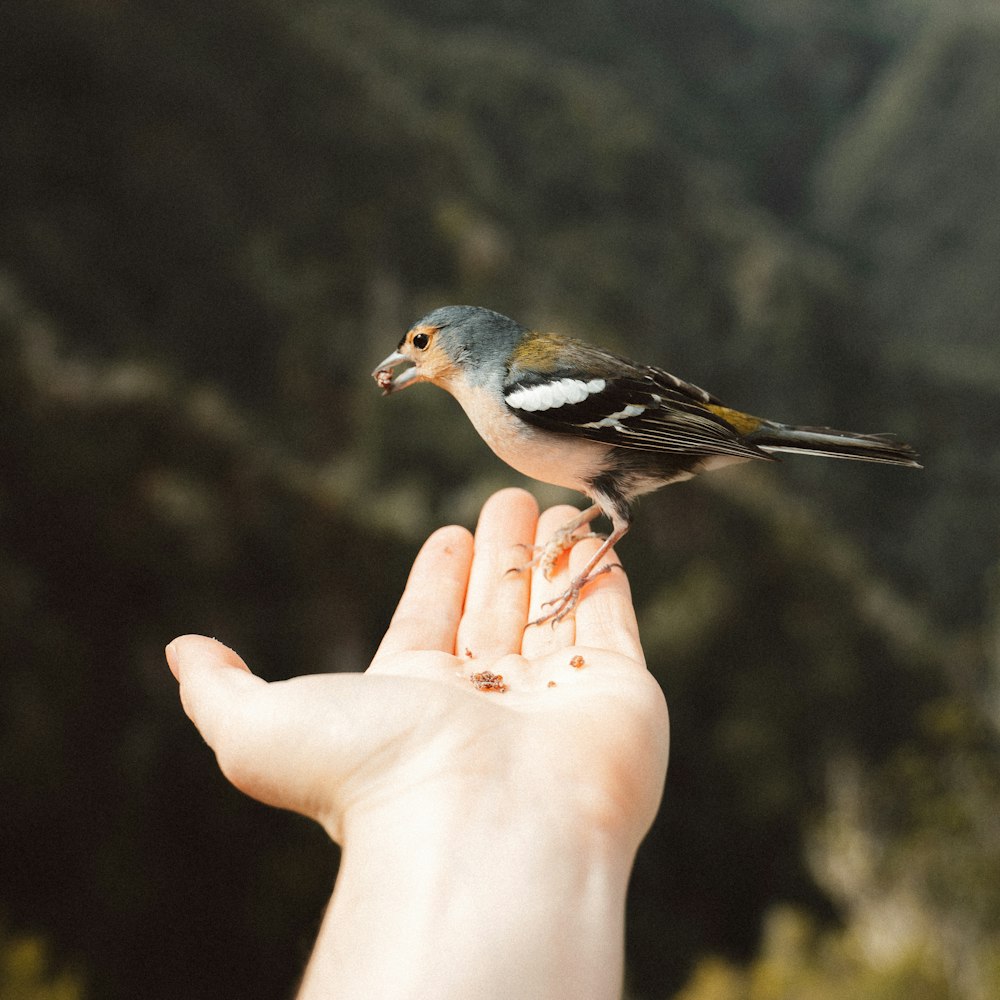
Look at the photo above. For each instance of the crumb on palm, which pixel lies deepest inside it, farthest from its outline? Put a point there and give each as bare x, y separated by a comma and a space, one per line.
486, 680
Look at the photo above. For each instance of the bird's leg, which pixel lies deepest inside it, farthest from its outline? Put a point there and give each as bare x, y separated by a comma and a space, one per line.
546, 556
565, 603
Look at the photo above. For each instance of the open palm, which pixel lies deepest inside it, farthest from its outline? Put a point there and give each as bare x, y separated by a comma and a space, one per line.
576, 728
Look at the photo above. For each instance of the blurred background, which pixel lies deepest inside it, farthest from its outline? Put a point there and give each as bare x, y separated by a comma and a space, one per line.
216, 219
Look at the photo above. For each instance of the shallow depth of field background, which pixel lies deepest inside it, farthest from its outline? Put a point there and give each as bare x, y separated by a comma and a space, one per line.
216, 219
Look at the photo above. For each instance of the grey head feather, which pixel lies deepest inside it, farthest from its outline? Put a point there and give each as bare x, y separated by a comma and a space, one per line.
478, 338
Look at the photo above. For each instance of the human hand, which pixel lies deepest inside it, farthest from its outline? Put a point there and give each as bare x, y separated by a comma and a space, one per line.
589, 739
467, 815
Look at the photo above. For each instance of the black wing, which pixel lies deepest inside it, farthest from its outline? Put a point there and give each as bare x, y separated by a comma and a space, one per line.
646, 409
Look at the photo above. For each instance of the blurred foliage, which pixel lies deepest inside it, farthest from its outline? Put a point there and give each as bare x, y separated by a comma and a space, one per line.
215, 220
909, 848
26, 972
798, 961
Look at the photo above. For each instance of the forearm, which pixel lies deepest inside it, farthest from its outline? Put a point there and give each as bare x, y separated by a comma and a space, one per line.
431, 908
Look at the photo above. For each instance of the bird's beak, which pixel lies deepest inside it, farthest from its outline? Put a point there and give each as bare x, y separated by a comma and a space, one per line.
383, 374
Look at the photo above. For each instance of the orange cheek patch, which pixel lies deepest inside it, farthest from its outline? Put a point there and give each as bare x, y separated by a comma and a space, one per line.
435, 364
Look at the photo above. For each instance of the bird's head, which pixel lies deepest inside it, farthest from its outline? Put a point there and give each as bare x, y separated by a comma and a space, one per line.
451, 344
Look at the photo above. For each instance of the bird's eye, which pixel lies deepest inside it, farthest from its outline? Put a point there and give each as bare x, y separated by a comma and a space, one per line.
420, 341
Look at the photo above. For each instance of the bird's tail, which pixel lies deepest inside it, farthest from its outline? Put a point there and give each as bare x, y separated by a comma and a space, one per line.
833, 444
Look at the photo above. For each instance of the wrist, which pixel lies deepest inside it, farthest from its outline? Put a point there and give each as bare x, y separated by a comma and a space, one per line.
454, 895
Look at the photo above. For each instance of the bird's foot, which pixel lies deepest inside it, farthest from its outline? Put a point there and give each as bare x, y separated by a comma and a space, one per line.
565, 604
548, 555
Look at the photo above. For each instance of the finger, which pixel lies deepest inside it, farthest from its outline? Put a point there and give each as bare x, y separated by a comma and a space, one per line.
272, 741
496, 605
214, 682
541, 639
605, 616
430, 609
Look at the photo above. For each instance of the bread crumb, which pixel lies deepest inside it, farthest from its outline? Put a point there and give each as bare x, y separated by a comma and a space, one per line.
486, 680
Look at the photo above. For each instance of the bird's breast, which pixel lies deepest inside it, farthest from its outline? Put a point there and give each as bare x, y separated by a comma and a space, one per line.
559, 459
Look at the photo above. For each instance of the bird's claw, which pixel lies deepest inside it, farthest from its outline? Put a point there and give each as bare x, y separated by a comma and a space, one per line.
566, 602
546, 556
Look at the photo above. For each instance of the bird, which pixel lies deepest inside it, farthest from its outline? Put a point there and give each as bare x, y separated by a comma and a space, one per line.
565, 412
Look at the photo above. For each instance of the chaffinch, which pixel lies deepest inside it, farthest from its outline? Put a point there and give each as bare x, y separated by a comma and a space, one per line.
567, 413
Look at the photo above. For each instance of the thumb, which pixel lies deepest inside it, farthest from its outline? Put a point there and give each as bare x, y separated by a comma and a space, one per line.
213, 682
223, 699
289, 744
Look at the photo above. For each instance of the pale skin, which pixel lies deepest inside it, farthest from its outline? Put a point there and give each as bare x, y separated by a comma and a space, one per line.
487, 836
